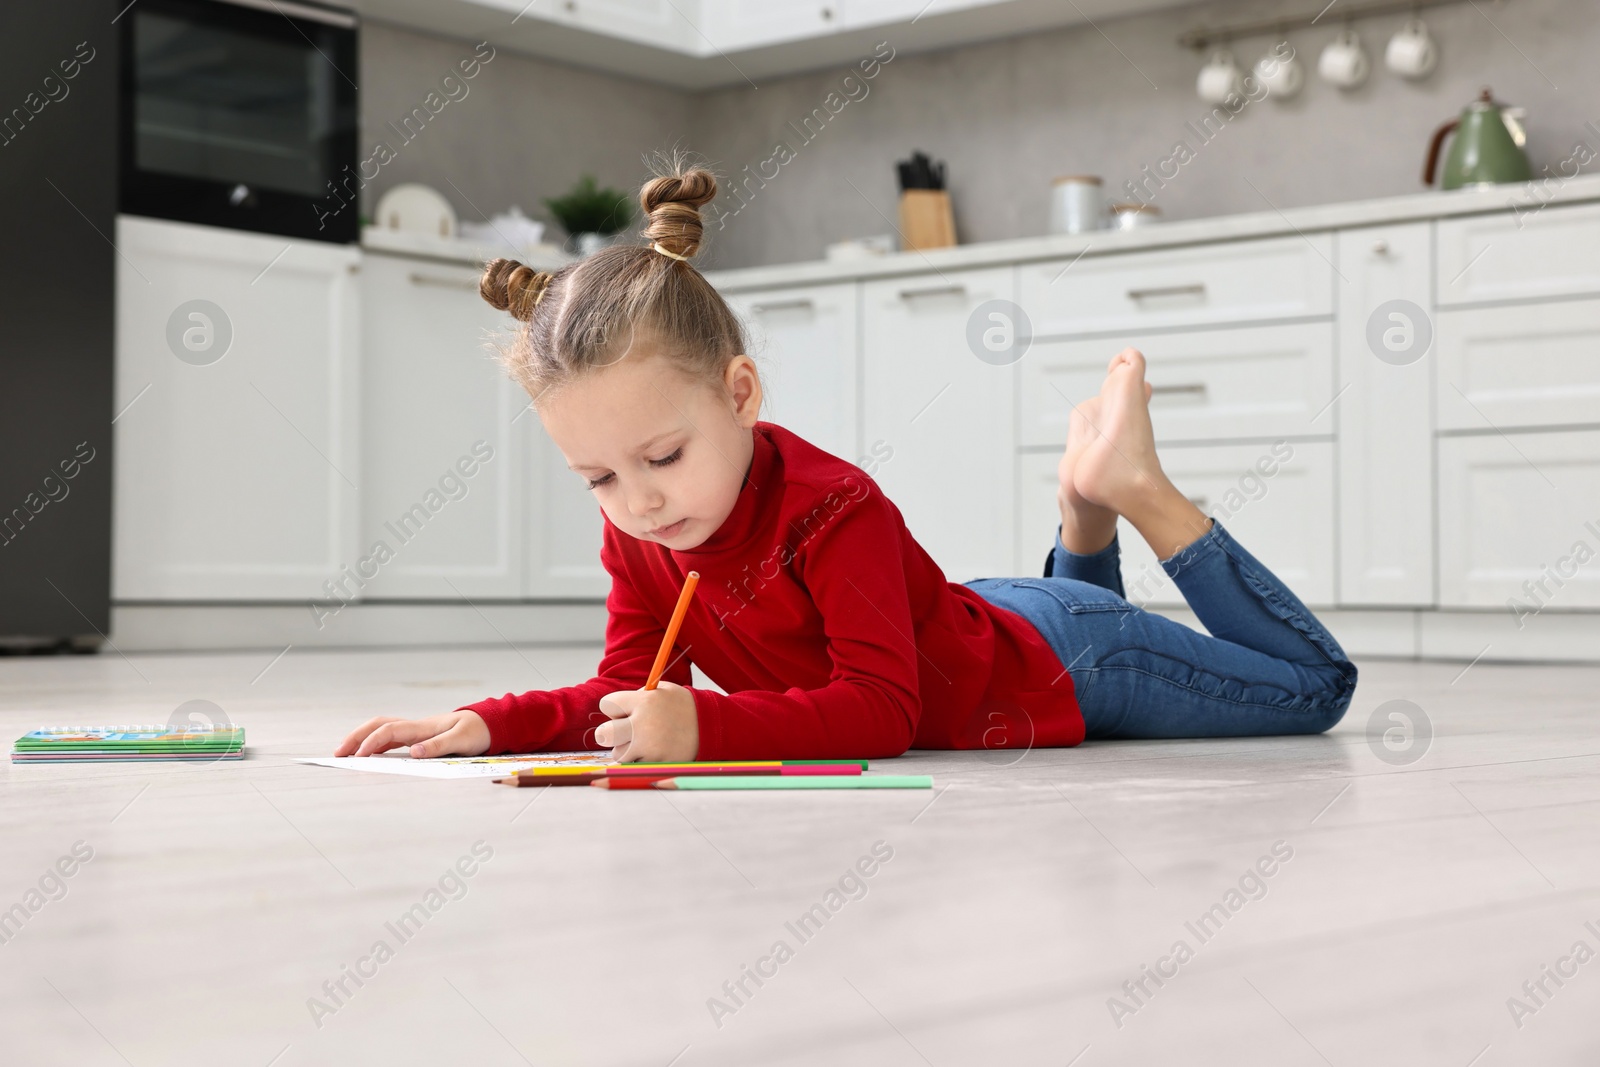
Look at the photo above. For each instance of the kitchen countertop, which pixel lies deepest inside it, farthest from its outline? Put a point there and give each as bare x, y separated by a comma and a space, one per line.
458, 250
1271, 222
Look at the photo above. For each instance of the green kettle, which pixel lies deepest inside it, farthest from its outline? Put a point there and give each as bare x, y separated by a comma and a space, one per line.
1487, 149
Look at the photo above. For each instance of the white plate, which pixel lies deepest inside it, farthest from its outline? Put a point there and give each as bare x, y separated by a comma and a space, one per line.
416, 208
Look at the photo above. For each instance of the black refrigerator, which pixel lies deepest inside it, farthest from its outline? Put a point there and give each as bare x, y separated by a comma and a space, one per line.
58, 202
231, 113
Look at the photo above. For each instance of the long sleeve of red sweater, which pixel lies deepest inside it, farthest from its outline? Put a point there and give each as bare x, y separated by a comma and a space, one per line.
564, 719
852, 568
868, 708
829, 630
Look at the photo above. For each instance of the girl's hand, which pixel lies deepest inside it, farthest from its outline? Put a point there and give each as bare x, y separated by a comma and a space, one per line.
650, 725
455, 733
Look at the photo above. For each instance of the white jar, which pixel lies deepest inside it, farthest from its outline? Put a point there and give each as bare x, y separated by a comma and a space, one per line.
1077, 204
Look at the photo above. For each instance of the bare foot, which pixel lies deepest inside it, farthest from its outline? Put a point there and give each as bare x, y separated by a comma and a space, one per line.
1119, 469
1086, 527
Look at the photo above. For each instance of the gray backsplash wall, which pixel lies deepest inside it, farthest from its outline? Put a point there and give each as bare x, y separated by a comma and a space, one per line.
526, 128
1008, 116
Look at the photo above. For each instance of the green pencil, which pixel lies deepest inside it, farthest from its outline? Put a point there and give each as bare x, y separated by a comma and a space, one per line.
775, 781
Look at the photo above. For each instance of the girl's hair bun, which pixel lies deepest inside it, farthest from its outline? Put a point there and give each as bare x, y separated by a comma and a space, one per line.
514, 287
673, 205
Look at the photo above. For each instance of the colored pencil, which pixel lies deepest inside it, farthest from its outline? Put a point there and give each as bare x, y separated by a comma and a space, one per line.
555, 772
754, 765
770, 781
666, 770
690, 580
583, 776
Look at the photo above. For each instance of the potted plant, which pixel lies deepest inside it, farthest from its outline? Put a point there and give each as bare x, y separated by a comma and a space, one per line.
591, 215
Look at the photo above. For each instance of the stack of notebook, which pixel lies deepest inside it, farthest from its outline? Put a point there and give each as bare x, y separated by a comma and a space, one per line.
95, 744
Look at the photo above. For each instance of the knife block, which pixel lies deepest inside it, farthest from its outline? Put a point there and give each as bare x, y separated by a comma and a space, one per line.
926, 220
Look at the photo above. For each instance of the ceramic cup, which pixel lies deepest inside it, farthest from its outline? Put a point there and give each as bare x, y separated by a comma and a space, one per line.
1412, 52
1344, 62
1220, 78
1281, 72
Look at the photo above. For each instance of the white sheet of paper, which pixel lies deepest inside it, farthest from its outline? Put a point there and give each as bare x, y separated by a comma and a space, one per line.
461, 766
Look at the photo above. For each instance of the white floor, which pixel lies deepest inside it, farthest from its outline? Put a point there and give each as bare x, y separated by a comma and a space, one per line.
1018, 899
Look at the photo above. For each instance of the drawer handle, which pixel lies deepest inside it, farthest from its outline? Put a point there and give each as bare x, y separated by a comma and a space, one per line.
1187, 389
804, 303
935, 290
1197, 289
1200, 502
444, 283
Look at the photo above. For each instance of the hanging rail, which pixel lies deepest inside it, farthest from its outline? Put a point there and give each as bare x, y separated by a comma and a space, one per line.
1336, 12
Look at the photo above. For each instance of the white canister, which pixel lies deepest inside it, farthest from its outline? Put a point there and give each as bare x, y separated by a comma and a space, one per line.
1077, 204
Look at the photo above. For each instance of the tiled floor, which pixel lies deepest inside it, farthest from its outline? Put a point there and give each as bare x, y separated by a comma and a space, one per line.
1408, 901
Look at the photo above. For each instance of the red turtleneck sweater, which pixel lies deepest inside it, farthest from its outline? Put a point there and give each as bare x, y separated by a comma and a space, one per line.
833, 632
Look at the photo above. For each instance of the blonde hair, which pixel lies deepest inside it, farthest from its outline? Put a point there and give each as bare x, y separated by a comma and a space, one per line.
586, 315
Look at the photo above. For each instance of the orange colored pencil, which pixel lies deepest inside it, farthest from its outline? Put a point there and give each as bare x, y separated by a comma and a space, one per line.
690, 580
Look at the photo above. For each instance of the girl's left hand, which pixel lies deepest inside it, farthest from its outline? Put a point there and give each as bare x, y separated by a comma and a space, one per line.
650, 725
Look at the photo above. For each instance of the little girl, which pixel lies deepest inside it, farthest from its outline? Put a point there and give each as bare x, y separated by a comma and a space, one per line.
832, 631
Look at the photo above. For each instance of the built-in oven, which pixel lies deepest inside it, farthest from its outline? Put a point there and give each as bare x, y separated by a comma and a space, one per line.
240, 113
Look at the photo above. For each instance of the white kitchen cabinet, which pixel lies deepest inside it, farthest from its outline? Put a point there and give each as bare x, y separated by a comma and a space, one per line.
860, 14
1518, 520
948, 416
564, 522
236, 458
1385, 418
1275, 498
1254, 381
1522, 254
804, 341
1519, 365
1232, 281
443, 461
662, 23
735, 25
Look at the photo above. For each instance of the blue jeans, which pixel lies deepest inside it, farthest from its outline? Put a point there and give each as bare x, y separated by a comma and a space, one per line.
1269, 667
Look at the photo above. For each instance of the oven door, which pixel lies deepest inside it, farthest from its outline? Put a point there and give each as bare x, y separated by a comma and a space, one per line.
241, 113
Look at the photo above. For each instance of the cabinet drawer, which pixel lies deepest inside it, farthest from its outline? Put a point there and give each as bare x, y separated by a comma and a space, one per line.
1519, 365
1279, 278
1516, 509
1256, 381
1550, 252
1275, 499
804, 341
